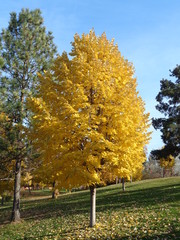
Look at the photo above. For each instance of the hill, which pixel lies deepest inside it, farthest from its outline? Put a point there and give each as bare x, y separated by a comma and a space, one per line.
148, 209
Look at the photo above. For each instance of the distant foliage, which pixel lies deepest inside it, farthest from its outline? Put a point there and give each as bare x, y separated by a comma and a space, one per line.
152, 168
168, 162
164, 167
176, 168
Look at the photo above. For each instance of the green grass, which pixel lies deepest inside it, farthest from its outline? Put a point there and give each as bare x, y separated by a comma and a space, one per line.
147, 210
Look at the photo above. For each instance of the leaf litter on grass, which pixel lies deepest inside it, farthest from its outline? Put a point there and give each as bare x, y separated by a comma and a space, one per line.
131, 215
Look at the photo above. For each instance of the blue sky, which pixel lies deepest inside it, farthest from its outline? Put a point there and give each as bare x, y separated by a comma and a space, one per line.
146, 31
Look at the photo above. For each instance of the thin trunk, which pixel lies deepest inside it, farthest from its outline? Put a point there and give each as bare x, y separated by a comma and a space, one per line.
15, 217
92, 188
116, 180
53, 192
2, 201
162, 172
131, 179
17, 186
29, 188
123, 184
93, 206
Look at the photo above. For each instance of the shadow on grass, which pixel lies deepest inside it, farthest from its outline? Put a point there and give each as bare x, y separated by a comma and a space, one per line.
139, 198
107, 198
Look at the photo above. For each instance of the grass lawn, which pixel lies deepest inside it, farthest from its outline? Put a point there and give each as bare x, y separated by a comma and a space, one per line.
148, 209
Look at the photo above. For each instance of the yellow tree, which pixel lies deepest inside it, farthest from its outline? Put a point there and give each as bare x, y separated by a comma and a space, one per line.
45, 174
167, 163
88, 116
6, 167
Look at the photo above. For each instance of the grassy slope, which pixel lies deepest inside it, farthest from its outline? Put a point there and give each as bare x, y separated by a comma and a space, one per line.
147, 210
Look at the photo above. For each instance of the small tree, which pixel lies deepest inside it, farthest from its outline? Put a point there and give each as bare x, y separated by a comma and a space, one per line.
167, 164
88, 117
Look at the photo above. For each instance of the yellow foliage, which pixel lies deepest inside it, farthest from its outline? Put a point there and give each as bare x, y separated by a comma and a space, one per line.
168, 162
88, 117
5, 186
27, 179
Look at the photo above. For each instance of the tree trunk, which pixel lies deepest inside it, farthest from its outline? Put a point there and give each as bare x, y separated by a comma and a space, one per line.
29, 189
2, 201
53, 192
93, 206
17, 186
164, 172
116, 180
123, 184
131, 179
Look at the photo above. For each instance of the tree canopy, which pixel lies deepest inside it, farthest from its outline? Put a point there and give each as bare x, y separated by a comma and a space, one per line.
88, 116
169, 104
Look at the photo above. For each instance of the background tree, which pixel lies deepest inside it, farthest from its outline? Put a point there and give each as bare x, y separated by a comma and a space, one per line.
152, 168
176, 168
26, 50
45, 173
88, 117
169, 105
167, 164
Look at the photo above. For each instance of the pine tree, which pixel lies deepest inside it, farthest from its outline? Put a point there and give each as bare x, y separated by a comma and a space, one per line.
26, 49
169, 104
88, 117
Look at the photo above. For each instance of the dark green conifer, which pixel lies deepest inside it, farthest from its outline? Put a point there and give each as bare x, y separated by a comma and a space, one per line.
169, 104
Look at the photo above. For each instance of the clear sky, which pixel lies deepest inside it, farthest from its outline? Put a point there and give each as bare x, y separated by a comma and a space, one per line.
146, 31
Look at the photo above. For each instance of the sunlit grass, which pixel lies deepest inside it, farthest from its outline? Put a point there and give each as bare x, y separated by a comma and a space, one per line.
147, 210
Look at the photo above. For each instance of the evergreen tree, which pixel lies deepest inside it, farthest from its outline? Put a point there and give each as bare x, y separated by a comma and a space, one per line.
169, 104
26, 49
